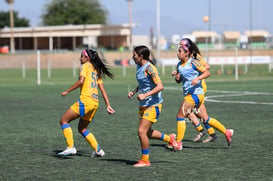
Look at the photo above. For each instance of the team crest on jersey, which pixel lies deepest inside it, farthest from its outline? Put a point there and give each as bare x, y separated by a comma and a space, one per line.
95, 96
197, 63
150, 70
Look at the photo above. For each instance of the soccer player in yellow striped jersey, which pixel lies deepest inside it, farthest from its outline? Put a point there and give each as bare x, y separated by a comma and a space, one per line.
150, 103
190, 72
90, 80
194, 119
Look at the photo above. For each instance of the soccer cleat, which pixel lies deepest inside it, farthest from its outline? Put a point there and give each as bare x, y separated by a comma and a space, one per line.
229, 134
211, 138
170, 146
199, 136
142, 163
98, 154
172, 142
68, 151
178, 147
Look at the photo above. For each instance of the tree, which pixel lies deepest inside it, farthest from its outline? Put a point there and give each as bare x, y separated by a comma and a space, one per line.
63, 12
18, 22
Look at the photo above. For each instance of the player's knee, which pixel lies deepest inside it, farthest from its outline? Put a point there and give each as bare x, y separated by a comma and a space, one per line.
63, 121
142, 132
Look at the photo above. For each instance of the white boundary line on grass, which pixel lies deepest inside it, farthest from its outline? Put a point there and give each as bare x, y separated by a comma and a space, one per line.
211, 98
232, 94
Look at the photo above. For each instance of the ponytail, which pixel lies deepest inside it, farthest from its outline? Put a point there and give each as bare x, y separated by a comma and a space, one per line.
99, 64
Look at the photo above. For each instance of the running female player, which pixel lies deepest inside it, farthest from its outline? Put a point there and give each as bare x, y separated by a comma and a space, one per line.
190, 72
194, 119
150, 102
90, 79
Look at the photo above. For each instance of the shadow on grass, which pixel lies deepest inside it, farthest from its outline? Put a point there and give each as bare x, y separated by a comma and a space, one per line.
205, 147
131, 162
128, 162
202, 145
79, 153
165, 144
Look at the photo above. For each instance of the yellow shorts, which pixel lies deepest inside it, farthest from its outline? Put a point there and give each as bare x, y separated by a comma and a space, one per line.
150, 113
86, 107
195, 99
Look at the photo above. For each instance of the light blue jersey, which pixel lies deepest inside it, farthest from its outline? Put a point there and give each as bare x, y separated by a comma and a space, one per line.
188, 72
147, 77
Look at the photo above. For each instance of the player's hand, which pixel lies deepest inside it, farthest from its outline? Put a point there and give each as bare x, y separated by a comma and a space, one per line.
110, 110
174, 73
194, 81
64, 93
176, 76
141, 97
130, 95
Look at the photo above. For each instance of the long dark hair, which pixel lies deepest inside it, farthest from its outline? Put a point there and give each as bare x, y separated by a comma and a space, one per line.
99, 64
144, 51
194, 50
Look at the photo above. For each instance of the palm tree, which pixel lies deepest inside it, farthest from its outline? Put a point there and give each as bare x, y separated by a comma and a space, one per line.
10, 2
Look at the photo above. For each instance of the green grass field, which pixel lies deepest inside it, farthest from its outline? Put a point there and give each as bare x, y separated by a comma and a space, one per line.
31, 135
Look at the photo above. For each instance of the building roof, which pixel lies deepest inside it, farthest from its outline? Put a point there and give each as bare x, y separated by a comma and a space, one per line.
67, 30
232, 34
200, 34
261, 33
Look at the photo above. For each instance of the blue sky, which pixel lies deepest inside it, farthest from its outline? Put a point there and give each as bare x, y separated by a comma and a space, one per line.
177, 16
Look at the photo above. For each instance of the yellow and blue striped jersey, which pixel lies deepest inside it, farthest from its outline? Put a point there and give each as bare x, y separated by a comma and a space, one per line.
89, 87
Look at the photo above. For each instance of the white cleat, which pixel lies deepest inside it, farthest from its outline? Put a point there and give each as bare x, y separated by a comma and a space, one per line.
199, 136
98, 154
210, 138
68, 151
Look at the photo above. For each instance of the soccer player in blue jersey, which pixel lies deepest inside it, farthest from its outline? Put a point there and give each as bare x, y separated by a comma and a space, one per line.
194, 119
92, 71
150, 102
190, 72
